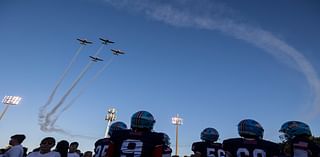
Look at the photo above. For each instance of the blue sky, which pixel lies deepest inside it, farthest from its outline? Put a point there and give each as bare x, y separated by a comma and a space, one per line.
212, 62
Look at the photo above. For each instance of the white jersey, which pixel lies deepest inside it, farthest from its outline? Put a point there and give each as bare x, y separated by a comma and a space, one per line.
14, 151
49, 154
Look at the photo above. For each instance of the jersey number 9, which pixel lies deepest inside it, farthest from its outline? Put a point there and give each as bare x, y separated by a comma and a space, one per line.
131, 148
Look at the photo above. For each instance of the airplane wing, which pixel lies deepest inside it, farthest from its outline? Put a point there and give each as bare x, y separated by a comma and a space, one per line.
99, 59
117, 52
95, 59
84, 41
106, 41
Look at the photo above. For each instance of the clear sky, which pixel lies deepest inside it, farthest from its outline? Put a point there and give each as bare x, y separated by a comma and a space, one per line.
213, 62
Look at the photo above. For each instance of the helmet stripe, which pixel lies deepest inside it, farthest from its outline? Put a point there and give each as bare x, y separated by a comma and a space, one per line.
138, 119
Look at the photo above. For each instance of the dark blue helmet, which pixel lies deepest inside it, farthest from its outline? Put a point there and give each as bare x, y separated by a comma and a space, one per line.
142, 120
117, 126
249, 128
209, 134
166, 139
292, 129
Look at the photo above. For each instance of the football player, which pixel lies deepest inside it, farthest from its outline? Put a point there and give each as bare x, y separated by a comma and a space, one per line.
139, 141
208, 147
251, 143
101, 145
297, 140
166, 150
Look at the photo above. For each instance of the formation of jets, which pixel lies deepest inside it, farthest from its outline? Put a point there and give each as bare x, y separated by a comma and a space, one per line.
104, 41
95, 59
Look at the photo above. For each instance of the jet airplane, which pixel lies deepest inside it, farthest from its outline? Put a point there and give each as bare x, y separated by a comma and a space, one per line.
117, 52
84, 41
106, 41
95, 59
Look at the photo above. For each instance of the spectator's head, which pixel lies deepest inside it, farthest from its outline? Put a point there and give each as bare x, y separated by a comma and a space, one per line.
117, 126
16, 139
142, 120
78, 151
87, 154
2, 151
293, 129
209, 135
62, 147
73, 147
249, 128
47, 144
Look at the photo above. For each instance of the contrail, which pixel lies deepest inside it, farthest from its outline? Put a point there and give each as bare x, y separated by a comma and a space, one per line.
84, 88
99, 50
61, 131
55, 108
47, 121
43, 108
213, 16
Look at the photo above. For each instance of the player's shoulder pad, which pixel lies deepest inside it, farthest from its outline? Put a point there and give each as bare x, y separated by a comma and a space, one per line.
198, 143
99, 141
157, 137
269, 142
232, 140
119, 133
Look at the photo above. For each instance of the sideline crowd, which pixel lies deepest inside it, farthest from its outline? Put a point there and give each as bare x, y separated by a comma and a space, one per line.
140, 140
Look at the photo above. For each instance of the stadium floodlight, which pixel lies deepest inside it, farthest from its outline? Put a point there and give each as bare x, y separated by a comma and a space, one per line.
177, 121
9, 100
111, 116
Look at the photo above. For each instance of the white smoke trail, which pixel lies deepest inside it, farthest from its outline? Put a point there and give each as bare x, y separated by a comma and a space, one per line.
73, 84
213, 17
63, 132
99, 50
66, 71
47, 120
47, 123
84, 89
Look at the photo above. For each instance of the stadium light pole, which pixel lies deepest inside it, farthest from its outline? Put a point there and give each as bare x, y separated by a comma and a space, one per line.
176, 121
9, 100
111, 116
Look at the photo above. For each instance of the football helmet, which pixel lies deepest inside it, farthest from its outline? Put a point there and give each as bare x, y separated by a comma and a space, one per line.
209, 134
292, 129
166, 139
249, 128
142, 120
117, 126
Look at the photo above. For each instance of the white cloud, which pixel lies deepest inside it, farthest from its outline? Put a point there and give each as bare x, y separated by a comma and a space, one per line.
211, 15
